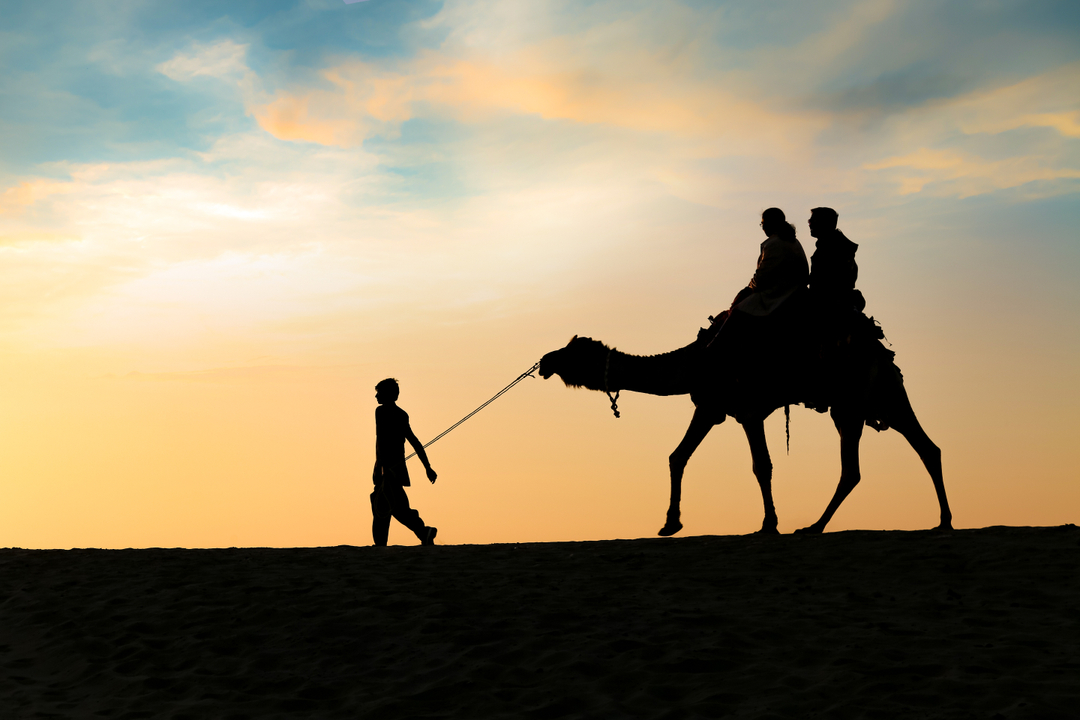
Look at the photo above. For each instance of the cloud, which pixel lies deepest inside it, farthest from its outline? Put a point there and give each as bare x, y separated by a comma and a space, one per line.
1045, 100
656, 72
29, 192
553, 81
824, 53
580, 139
223, 59
959, 174
1066, 123
311, 118
973, 144
661, 79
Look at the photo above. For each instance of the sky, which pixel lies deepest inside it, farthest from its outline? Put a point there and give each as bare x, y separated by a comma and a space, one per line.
221, 223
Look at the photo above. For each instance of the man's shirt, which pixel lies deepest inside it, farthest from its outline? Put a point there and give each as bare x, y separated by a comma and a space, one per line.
833, 270
391, 426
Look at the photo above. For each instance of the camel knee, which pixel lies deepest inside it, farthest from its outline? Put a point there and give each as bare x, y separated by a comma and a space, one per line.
849, 480
677, 462
763, 470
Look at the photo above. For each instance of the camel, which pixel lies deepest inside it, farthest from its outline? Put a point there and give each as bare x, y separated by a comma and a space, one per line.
870, 391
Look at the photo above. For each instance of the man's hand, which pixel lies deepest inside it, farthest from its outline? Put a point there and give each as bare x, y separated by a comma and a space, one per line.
431, 475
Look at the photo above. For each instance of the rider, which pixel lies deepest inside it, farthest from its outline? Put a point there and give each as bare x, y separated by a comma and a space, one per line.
833, 272
836, 304
781, 271
753, 318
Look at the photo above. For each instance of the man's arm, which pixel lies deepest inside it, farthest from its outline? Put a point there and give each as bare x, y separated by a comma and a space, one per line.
420, 453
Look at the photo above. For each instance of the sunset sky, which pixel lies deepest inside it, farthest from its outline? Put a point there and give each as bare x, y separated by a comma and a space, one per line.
221, 223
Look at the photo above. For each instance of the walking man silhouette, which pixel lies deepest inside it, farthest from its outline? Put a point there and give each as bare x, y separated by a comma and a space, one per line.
391, 476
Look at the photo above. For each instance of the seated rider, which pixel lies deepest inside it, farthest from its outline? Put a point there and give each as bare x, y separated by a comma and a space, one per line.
781, 271
836, 304
752, 320
833, 272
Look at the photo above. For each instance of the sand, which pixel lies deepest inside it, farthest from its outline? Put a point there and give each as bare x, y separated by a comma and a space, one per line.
972, 624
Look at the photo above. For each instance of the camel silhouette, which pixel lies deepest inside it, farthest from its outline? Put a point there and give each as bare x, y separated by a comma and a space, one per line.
869, 390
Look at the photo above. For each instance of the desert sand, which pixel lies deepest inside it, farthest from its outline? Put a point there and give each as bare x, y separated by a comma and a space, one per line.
972, 624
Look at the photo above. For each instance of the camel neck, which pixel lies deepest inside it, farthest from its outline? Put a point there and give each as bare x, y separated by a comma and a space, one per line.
666, 374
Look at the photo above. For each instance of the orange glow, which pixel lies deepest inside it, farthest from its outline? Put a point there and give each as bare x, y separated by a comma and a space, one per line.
288, 118
640, 95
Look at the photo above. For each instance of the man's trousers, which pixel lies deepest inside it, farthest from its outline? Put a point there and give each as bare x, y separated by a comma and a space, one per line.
389, 500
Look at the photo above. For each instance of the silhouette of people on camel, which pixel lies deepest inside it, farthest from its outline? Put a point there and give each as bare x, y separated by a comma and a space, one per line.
791, 309
796, 334
391, 476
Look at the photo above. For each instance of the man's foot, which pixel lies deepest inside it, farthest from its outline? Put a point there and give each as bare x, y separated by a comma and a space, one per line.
429, 536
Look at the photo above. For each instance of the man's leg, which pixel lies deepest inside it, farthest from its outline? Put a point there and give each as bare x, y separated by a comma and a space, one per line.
399, 506
380, 516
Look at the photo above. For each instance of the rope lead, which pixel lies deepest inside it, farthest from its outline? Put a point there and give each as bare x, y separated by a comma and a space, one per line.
522, 376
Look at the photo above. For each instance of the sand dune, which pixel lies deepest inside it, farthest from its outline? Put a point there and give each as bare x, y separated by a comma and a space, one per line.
974, 624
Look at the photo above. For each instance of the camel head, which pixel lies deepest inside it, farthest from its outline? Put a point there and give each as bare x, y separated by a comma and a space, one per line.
579, 364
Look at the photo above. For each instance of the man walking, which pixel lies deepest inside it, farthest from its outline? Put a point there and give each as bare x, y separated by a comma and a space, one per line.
391, 476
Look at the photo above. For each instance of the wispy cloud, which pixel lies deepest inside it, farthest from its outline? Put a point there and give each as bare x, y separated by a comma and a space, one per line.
539, 123
221, 60
364, 102
954, 173
972, 144
1045, 100
618, 74
28, 192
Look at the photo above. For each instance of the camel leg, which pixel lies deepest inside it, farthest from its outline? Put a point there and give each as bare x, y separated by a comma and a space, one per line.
700, 425
759, 451
850, 429
905, 423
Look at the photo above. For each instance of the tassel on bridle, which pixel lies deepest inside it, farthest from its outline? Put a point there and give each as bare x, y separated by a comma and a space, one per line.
787, 426
614, 400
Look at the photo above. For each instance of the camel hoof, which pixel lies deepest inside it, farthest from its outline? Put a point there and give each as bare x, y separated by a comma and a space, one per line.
670, 529
944, 528
767, 531
812, 530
